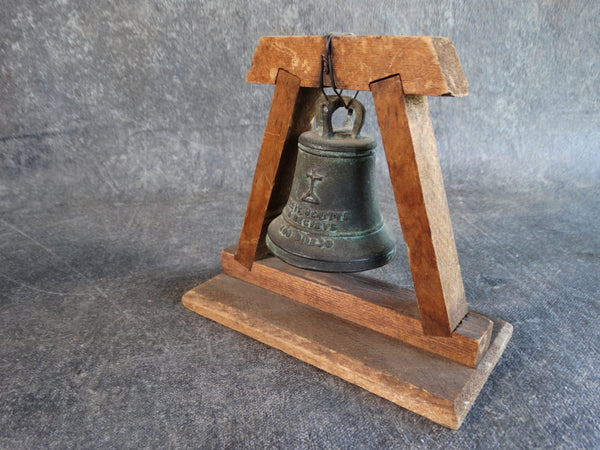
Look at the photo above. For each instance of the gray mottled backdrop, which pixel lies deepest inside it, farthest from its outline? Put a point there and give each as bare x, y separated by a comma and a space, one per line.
128, 139
104, 98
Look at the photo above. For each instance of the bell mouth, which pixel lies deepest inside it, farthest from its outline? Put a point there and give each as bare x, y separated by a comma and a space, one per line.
332, 253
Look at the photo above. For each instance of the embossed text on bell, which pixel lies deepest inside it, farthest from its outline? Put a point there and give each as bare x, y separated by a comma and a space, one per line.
332, 221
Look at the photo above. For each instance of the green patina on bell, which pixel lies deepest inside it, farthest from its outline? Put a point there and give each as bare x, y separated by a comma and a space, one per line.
332, 221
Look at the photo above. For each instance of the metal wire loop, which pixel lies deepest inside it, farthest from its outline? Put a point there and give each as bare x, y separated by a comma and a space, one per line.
327, 68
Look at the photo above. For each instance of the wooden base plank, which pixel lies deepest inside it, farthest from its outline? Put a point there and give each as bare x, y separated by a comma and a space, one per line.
427, 384
374, 304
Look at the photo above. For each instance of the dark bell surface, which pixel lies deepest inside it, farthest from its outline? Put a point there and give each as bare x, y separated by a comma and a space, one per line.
332, 221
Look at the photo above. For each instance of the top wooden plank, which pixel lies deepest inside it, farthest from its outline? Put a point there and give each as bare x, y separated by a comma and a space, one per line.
428, 65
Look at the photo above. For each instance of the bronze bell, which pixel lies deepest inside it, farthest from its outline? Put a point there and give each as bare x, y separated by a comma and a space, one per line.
331, 221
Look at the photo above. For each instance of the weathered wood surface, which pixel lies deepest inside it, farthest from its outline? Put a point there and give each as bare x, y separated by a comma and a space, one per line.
426, 384
290, 115
410, 148
428, 65
371, 303
408, 138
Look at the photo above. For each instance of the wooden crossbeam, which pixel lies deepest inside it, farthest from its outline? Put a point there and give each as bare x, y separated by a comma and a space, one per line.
429, 65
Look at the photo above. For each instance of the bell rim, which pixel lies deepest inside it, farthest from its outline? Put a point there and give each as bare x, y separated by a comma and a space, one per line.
373, 261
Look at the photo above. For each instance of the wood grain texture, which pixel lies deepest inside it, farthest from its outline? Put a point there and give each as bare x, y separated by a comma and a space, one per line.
410, 148
426, 384
428, 65
371, 303
289, 116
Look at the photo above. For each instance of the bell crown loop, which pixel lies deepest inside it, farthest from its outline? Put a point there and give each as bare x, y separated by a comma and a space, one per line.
345, 139
354, 122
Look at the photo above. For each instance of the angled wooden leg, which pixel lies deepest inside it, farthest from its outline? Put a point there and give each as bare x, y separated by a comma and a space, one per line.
290, 115
407, 135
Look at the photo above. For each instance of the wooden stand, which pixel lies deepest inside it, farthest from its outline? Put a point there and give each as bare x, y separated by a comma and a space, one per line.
423, 350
